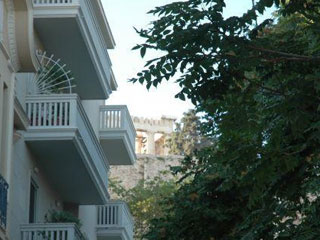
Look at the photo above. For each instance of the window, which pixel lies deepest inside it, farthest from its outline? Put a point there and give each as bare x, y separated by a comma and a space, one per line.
33, 201
3, 124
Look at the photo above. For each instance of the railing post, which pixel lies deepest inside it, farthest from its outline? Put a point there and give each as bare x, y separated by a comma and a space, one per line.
120, 214
123, 117
98, 216
72, 233
73, 112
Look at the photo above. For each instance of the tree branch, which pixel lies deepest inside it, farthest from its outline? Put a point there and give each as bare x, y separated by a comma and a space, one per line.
289, 56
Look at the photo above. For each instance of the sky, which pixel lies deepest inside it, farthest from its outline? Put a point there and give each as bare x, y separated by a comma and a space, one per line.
123, 16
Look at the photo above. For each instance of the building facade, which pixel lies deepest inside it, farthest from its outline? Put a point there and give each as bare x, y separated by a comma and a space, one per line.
58, 139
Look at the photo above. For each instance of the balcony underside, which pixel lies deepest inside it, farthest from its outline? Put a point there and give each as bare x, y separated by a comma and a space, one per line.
117, 147
64, 159
67, 39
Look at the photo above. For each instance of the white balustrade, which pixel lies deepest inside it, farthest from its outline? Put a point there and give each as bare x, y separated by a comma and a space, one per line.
117, 117
51, 231
51, 111
115, 214
55, 2
111, 118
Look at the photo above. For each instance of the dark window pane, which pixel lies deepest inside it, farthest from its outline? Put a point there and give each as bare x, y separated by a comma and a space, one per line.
32, 206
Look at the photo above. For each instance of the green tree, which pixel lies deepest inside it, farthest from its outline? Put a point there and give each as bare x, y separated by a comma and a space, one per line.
187, 136
258, 87
144, 200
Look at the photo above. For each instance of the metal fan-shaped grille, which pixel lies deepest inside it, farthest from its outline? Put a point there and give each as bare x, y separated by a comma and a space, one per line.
52, 77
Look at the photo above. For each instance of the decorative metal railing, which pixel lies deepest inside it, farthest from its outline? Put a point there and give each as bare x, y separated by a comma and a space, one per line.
117, 117
51, 231
115, 214
3, 201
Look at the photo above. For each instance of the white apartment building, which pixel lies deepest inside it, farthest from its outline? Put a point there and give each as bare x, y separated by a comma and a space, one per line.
57, 136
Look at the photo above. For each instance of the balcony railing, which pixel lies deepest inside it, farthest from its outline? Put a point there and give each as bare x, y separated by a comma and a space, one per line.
52, 112
51, 231
55, 2
117, 117
3, 201
116, 215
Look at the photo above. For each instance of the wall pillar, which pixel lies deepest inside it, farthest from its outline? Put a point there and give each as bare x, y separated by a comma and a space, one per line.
2, 115
9, 123
1, 19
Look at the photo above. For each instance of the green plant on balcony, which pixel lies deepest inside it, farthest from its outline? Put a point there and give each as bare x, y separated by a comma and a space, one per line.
54, 216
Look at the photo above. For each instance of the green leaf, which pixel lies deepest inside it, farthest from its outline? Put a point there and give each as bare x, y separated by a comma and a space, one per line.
166, 32
136, 47
149, 85
168, 67
148, 76
143, 51
141, 80
180, 96
268, 3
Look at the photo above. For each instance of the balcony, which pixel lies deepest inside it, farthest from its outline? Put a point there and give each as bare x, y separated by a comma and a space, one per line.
68, 151
77, 31
117, 135
3, 202
115, 222
52, 231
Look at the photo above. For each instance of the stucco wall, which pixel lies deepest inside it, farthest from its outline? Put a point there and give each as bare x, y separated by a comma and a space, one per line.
6, 114
24, 167
88, 218
93, 112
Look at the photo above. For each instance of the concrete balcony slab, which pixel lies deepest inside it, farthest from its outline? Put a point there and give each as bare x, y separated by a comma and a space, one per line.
61, 137
117, 135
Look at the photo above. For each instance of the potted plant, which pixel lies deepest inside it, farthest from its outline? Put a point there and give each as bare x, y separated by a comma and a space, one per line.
54, 216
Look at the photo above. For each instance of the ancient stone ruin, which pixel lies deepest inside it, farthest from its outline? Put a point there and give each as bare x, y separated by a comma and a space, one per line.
152, 135
153, 157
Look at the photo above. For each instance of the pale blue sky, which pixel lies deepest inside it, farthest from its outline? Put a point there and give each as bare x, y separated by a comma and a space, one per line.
123, 15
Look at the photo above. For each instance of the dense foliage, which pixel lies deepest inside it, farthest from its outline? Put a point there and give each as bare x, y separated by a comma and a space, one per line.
258, 87
54, 216
144, 200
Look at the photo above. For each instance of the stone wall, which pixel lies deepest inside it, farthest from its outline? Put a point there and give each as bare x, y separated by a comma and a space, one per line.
152, 153
146, 167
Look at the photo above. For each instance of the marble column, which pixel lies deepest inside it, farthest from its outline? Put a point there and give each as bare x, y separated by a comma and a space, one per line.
150, 143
